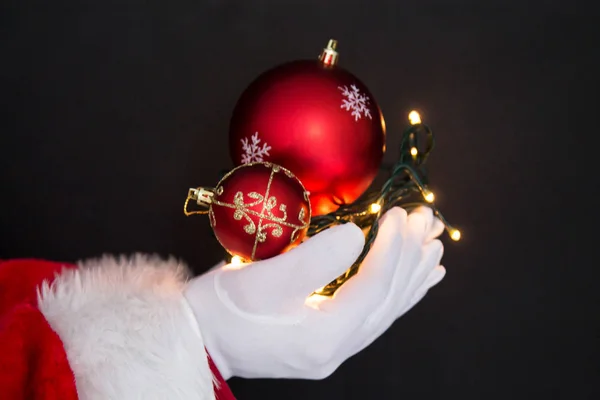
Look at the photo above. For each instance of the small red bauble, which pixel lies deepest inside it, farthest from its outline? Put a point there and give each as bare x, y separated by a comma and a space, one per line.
259, 210
317, 120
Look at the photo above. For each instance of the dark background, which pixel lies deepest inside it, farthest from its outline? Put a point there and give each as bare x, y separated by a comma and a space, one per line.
112, 109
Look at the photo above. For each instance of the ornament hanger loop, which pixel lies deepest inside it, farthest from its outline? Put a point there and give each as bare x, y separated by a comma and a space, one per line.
202, 196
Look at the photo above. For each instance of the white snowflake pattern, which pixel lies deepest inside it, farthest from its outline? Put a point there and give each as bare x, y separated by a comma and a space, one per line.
253, 151
355, 101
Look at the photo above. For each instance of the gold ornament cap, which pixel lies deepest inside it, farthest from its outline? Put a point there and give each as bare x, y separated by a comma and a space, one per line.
329, 56
202, 196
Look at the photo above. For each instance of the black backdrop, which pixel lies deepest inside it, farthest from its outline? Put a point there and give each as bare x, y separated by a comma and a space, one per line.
112, 109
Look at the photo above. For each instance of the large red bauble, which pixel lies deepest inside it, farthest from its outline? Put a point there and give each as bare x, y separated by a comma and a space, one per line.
316, 120
259, 210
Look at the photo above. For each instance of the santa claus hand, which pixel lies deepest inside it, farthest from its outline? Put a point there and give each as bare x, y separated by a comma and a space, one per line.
258, 321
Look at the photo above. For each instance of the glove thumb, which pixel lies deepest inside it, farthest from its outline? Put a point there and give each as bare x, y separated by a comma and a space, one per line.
287, 279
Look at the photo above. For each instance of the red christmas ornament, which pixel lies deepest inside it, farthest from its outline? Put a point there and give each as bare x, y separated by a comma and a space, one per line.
317, 120
257, 211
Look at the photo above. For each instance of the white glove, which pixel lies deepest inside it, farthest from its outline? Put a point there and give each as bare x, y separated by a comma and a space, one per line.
258, 321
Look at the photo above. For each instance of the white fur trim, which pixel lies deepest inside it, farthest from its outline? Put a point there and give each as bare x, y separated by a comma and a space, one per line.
127, 330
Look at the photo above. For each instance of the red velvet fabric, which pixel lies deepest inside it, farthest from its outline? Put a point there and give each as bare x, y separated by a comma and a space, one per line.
222, 390
33, 362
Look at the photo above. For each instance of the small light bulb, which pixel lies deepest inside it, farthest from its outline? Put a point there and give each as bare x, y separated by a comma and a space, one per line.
414, 151
429, 197
314, 300
375, 208
236, 260
455, 235
414, 118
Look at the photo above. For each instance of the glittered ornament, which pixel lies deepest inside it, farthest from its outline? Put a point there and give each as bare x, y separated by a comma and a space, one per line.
258, 210
316, 119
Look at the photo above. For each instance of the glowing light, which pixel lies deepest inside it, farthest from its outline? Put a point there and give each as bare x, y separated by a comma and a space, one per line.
455, 235
314, 301
375, 208
236, 260
414, 151
414, 118
429, 197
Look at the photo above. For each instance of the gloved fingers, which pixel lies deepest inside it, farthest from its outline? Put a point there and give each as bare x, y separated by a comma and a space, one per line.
415, 268
409, 261
432, 279
393, 259
398, 256
370, 286
437, 228
415, 262
427, 213
420, 221
411, 255
370, 332
432, 253
434, 226
294, 275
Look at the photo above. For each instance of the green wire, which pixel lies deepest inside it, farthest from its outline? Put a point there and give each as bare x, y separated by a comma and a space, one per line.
405, 187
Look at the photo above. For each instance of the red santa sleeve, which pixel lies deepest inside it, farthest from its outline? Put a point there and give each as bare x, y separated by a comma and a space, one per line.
108, 328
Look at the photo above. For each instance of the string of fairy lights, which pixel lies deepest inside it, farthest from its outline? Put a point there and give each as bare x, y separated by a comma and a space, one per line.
405, 187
